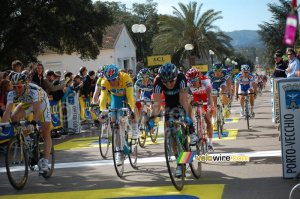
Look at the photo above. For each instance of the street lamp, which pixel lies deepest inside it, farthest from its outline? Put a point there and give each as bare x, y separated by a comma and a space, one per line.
139, 28
211, 57
189, 48
233, 64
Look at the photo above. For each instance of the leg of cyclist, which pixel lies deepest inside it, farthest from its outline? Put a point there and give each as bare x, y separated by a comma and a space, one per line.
251, 102
214, 117
209, 127
225, 100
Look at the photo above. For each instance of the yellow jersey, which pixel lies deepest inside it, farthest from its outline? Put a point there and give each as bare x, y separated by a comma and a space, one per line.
124, 88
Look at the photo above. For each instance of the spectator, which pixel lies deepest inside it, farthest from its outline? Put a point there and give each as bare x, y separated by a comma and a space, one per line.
152, 73
83, 71
32, 68
57, 75
294, 64
280, 66
5, 87
139, 65
48, 85
26, 72
133, 78
1, 77
17, 66
77, 84
6, 75
38, 77
89, 84
181, 69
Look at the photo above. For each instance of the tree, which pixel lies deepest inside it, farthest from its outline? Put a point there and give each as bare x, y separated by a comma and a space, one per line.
29, 27
272, 33
189, 27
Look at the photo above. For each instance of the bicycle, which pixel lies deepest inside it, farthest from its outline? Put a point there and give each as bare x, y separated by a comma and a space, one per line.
202, 145
142, 124
246, 107
21, 155
219, 113
176, 141
121, 142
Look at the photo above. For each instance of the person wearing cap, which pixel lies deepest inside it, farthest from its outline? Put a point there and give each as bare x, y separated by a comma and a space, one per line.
77, 83
57, 75
48, 85
280, 65
293, 65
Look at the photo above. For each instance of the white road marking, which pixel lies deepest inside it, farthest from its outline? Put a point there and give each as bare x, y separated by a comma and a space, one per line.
274, 153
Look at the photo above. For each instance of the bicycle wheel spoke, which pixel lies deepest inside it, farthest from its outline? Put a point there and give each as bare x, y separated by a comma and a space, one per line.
118, 153
16, 163
104, 139
133, 156
142, 129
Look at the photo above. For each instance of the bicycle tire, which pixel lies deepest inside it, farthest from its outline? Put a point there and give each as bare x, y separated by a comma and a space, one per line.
133, 156
219, 122
16, 154
142, 129
119, 168
104, 140
154, 135
171, 157
51, 163
196, 166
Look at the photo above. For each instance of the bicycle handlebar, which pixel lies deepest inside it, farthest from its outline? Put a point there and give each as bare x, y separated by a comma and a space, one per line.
14, 123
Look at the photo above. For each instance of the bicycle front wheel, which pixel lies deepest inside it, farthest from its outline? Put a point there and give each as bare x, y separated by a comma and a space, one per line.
171, 154
104, 139
142, 129
196, 166
118, 153
153, 135
16, 162
133, 156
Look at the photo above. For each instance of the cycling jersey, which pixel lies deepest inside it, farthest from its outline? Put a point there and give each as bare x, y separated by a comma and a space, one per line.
146, 91
98, 83
171, 95
32, 93
245, 82
200, 92
217, 82
123, 91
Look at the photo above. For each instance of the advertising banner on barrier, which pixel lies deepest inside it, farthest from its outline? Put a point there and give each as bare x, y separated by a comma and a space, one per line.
275, 100
73, 112
289, 103
85, 114
56, 114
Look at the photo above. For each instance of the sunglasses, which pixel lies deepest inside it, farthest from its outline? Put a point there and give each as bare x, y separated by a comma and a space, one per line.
172, 81
146, 76
18, 86
218, 70
193, 80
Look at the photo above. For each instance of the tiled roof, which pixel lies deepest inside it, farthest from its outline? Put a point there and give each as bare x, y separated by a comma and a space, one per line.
111, 36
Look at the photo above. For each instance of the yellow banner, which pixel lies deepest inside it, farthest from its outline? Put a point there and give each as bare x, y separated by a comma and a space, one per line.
158, 60
201, 68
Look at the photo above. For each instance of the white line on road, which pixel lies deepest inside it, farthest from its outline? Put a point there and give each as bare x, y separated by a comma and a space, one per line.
274, 153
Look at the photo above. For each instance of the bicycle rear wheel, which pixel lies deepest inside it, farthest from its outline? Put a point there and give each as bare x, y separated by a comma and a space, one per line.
119, 165
196, 166
16, 162
51, 160
171, 154
104, 139
142, 128
247, 115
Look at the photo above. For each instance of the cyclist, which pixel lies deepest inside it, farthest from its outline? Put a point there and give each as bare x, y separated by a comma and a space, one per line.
259, 81
174, 86
221, 80
34, 99
264, 78
144, 85
98, 85
245, 82
119, 86
201, 88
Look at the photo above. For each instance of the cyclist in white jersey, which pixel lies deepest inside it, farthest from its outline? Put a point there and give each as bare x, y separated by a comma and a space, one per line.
31, 98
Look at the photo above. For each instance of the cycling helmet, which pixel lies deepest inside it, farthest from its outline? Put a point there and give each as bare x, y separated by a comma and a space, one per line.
245, 67
192, 73
217, 65
101, 71
168, 72
111, 71
19, 78
143, 71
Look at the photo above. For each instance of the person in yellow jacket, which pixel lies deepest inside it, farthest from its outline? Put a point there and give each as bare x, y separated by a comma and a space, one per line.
119, 86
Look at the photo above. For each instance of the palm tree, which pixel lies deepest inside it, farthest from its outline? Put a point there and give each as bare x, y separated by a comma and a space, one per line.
188, 26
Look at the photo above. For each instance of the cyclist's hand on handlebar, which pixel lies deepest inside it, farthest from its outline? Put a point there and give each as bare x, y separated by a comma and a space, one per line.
188, 119
151, 124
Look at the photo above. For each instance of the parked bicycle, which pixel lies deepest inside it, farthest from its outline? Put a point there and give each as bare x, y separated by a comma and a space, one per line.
23, 153
142, 125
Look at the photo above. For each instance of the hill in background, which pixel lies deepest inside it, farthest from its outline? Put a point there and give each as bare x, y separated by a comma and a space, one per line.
245, 38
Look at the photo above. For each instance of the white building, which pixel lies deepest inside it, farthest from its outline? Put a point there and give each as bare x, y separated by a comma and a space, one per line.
117, 48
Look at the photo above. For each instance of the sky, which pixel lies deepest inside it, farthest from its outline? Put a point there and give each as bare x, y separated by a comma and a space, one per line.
237, 14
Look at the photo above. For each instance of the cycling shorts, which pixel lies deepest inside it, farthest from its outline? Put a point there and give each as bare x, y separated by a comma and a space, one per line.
217, 85
245, 88
45, 111
117, 103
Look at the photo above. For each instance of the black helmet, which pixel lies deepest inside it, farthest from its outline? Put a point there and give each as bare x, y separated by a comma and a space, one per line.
18, 78
168, 72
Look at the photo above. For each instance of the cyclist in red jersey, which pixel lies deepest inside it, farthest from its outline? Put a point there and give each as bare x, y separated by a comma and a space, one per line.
201, 88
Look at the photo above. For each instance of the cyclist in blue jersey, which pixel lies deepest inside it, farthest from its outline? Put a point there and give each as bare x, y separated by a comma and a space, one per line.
245, 82
221, 81
144, 85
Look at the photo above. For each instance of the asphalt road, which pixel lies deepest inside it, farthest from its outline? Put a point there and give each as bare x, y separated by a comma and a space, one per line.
80, 172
